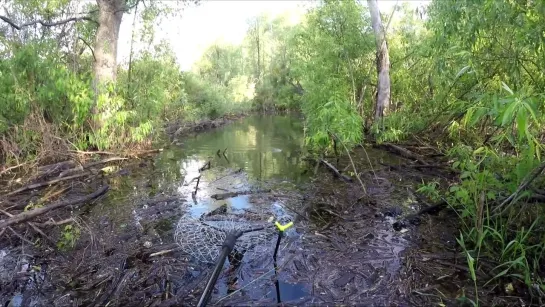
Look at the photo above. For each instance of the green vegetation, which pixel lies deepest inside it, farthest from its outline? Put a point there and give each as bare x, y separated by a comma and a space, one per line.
466, 77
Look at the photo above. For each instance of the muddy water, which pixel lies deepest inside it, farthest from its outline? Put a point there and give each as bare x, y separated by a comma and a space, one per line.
341, 250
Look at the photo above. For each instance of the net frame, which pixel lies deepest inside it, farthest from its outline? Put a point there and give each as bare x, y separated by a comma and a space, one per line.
202, 237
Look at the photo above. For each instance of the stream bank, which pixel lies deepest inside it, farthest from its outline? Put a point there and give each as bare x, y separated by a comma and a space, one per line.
125, 253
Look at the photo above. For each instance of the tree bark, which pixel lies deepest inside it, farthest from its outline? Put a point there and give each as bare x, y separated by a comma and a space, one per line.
110, 15
383, 62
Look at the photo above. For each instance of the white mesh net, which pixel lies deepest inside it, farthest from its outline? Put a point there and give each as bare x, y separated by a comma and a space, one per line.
202, 237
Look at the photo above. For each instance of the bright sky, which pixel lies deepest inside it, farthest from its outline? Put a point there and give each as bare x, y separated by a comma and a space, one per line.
213, 20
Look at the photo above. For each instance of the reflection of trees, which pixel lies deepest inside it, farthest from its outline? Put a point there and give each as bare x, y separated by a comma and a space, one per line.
266, 146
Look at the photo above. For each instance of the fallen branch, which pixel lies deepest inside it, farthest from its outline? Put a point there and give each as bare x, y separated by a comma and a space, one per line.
33, 226
55, 223
42, 184
164, 252
336, 171
28, 215
352, 162
221, 196
93, 152
45, 170
405, 153
508, 202
20, 236
12, 167
90, 164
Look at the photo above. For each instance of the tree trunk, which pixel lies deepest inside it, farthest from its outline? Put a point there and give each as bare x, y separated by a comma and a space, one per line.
105, 66
383, 62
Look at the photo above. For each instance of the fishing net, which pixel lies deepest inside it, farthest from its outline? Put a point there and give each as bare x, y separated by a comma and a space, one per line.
202, 237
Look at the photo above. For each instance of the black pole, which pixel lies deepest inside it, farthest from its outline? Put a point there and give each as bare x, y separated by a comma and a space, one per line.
226, 249
277, 283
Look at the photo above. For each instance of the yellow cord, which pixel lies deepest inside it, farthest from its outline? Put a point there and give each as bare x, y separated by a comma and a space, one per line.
283, 227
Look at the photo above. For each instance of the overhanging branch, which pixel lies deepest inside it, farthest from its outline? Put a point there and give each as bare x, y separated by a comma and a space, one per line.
45, 23
88, 46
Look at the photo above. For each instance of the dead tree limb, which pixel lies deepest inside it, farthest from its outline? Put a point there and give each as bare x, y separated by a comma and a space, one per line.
508, 202
335, 171
42, 184
33, 226
405, 153
28, 215
55, 223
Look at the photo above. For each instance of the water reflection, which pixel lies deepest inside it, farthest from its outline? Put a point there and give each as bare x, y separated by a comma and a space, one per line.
265, 147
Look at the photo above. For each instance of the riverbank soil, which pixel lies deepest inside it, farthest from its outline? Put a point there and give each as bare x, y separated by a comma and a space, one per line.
348, 246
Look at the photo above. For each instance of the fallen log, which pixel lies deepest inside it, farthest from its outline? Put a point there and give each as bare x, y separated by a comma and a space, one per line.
335, 171
405, 153
28, 215
221, 196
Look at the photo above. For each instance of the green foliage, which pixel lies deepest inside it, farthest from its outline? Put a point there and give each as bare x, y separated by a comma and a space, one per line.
69, 236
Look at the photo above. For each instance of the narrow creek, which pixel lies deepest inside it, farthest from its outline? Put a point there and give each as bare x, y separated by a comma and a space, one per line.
341, 249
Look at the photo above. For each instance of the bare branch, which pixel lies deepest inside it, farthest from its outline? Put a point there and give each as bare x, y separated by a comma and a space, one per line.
89, 46
45, 23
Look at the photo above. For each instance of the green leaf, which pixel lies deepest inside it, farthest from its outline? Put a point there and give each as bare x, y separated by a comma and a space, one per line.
521, 124
530, 107
508, 114
505, 87
462, 71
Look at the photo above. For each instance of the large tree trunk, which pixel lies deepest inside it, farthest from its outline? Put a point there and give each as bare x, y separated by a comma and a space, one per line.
383, 62
105, 66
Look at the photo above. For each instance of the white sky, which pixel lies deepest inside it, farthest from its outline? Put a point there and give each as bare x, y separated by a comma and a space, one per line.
200, 26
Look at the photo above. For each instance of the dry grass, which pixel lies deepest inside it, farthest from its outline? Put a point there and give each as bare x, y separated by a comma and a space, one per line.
35, 142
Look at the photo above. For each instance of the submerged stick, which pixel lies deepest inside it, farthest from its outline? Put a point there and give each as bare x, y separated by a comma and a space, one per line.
197, 186
28, 215
205, 167
221, 196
